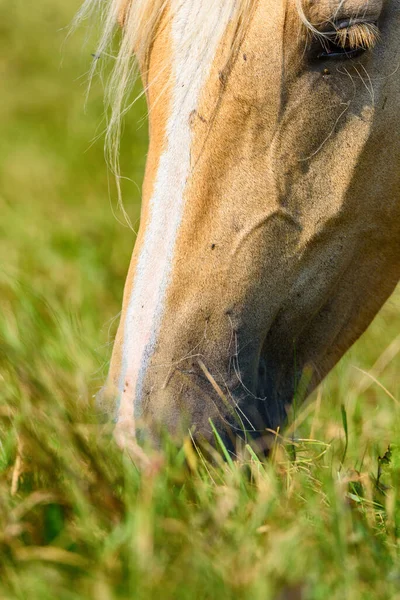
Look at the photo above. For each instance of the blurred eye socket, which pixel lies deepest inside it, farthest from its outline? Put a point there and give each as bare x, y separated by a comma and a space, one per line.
347, 40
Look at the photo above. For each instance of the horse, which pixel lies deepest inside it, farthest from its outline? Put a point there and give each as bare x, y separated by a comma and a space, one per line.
270, 225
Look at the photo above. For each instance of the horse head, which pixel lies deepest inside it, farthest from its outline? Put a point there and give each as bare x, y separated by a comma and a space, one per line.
270, 227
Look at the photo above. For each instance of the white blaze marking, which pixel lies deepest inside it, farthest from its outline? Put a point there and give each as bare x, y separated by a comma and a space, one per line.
197, 29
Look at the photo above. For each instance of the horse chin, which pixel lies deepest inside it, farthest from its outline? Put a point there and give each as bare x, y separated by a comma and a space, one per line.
212, 415
194, 406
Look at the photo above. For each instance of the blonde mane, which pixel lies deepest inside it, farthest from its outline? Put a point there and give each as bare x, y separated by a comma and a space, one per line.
131, 27
134, 23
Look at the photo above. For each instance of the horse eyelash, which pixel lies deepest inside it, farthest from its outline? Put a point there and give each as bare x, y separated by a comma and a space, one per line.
358, 36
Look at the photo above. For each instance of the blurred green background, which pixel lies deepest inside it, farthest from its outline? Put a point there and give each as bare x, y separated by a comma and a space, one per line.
62, 235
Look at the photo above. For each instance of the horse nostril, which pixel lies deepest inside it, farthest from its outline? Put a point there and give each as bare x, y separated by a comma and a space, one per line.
262, 379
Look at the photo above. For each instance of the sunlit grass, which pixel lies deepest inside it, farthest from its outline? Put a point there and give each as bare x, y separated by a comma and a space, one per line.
79, 519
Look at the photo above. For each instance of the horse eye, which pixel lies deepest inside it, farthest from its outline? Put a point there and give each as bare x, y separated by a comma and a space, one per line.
348, 40
331, 50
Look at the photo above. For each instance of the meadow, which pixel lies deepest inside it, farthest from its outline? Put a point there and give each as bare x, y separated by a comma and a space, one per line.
81, 520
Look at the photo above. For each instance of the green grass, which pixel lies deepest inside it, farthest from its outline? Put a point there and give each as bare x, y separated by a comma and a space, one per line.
319, 520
